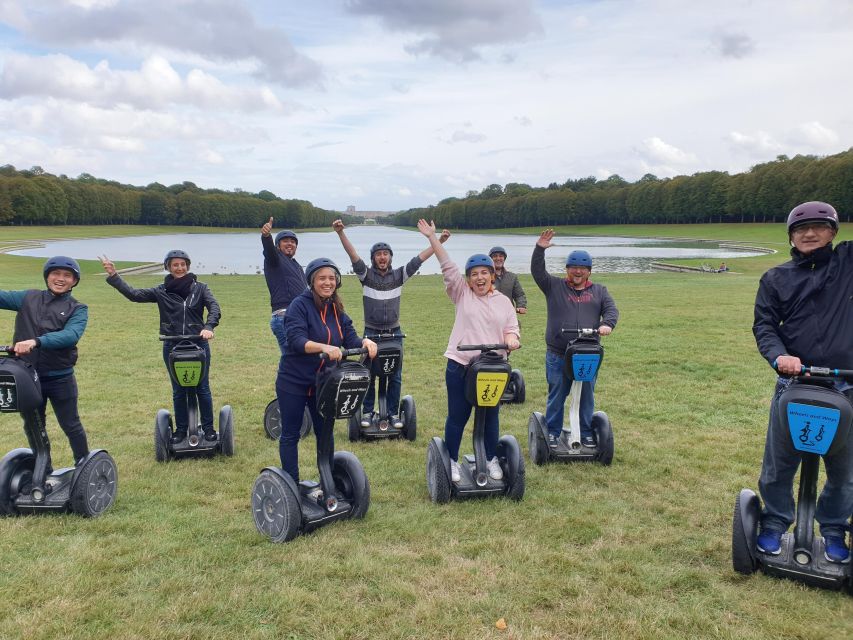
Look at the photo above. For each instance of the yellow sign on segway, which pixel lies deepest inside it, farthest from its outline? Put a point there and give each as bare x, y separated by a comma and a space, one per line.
490, 387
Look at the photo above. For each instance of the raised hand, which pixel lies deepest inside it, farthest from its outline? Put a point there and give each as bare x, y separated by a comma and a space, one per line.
338, 225
544, 240
267, 228
108, 265
426, 228
445, 234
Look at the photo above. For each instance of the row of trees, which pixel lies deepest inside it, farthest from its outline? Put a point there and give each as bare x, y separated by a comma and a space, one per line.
765, 193
33, 197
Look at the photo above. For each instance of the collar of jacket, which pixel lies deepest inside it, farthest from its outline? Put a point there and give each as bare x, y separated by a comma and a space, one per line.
818, 256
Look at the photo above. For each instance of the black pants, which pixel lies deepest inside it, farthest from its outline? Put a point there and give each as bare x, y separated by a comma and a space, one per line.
62, 393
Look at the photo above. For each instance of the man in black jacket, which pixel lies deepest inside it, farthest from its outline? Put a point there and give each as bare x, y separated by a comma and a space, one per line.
804, 316
284, 275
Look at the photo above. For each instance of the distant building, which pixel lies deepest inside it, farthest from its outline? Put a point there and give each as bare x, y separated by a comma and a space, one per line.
351, 209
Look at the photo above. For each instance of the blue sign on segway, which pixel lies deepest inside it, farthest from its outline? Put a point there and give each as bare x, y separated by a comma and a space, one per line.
585, 366
812, 427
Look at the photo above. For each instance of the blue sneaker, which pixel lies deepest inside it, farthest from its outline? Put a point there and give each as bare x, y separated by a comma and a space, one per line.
770, 542
836, 549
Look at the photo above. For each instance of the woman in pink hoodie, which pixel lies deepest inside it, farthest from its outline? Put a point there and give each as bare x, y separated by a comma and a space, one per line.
483, 316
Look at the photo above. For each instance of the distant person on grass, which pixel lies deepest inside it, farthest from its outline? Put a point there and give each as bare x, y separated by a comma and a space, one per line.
574, 302
48, 326
382, 287
284, 275
181, 300
804, 316
506, 281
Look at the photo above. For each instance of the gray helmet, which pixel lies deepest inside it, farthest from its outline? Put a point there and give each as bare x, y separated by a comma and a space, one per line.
317, 264
287, 233
61, 262
812, 212
495, 250
175, 253
380, 246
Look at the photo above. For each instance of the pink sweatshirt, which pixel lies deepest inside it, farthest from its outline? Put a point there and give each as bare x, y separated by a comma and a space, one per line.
479, 319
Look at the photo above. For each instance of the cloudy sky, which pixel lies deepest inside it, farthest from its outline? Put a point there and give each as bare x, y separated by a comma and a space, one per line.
391, 104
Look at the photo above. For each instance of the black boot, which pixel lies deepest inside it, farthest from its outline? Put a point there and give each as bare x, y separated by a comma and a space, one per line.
179, 436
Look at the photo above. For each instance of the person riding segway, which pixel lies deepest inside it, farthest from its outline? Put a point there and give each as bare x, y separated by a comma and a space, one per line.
508, 284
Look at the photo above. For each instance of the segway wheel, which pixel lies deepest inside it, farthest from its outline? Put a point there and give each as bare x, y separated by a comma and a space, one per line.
351, 482
509, 452
438, 478
272, 421
603, 436
537, 445
275, 507
226, 430
354, 426
95, 489
744, 532
162, 436
517, 380
16, 469
409, 417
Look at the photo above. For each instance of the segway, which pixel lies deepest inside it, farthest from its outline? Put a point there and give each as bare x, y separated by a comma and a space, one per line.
583, 359
485, 382
187, 363
818, 418
389, 357
283, 509
28, 484
272, 421
515, 392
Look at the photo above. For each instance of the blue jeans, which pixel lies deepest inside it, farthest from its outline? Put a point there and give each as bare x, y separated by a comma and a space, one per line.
277, 327
392, 391
559, 387
776, 483
292, 407
202, 391
459, 410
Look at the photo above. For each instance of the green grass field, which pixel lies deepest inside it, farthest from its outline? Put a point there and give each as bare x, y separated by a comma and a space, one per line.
640, 549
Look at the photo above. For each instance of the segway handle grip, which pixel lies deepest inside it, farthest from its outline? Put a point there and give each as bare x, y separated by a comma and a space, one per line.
826, 372
7, 348
384, 336
481, 347
346, 353
181, 337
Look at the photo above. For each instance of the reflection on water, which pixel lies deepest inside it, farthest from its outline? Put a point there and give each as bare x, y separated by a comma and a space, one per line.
241, 252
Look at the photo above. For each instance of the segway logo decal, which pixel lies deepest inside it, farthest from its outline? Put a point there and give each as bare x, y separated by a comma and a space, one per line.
8, 394
188, 374
351, 392
490, 387
812, 428
585, 366
390, 365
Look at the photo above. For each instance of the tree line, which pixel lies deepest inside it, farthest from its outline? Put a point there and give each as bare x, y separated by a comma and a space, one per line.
34, 197
765, 193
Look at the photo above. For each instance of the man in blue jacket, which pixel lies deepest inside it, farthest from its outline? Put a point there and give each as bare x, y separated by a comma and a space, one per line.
804, 316
284, 275
48, 326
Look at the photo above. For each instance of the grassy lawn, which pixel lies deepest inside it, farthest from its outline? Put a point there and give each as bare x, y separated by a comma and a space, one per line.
640, 549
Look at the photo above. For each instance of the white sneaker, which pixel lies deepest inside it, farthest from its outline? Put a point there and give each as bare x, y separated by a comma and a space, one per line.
455, 473
494, 467
366, 419
396, 422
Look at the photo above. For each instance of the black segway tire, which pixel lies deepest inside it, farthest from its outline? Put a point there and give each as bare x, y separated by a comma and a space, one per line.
537, 444
409, 417
162, 436
604, 437
13, 468
509, 453
438, 475
517, 380
272, 421
96, 485
351, 482
226, 430
354, 427
276, 507
745, 531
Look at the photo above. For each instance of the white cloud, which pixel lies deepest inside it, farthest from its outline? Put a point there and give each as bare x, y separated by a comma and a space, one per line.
658, 151
815, 135
759, 143
465, 136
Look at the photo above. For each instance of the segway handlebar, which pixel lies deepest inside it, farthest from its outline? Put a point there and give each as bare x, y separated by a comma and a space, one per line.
346, 353
180, 337
581, 332
826, 372
481, 347
7, 348
387, 335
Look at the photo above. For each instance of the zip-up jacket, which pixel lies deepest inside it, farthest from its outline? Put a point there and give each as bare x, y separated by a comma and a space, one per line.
804, 308
177, 316
507, 283
303, 322
569, 308
285, 276
381, 293
56, 322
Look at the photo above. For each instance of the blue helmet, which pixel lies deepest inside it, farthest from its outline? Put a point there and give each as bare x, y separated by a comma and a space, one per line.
287, 233
317, 264
579, 258
479, 260
495, 250
61, 262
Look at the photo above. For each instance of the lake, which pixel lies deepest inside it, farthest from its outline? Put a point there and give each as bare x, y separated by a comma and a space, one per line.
228, 253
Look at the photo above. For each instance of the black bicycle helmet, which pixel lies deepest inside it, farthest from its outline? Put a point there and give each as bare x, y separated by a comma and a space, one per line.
380, 246
319, 263
61, 262
812, 212
175, 253
287, 233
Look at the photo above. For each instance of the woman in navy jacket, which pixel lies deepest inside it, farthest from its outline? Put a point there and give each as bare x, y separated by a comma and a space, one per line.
315, 323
